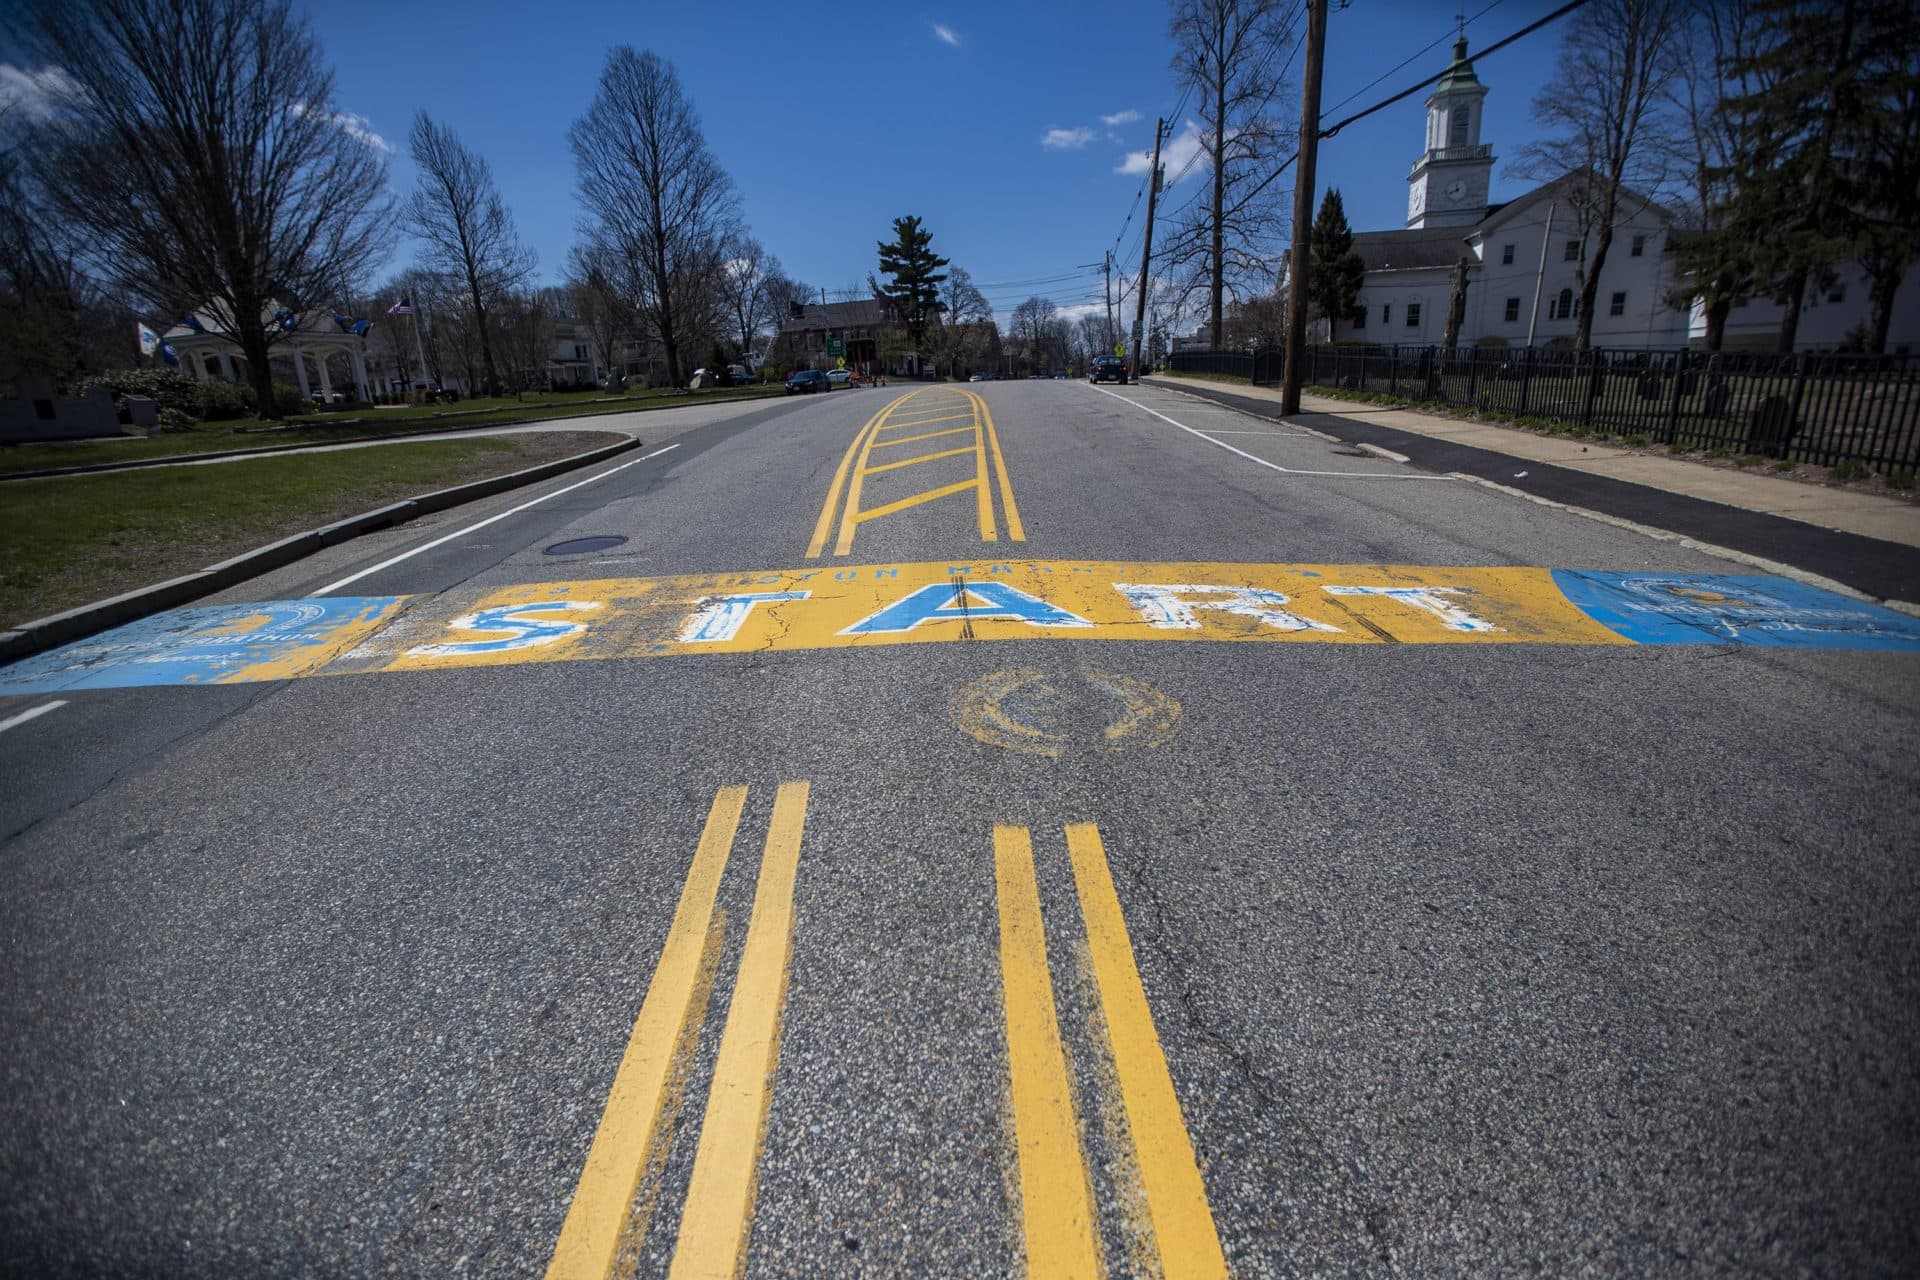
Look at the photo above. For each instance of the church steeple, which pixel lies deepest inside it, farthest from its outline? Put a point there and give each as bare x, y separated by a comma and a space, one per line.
1449, 181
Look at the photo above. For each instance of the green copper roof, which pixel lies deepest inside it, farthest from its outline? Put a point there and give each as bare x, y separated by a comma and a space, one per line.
1459, 72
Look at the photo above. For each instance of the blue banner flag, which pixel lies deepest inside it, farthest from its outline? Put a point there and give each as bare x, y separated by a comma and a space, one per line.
168, 354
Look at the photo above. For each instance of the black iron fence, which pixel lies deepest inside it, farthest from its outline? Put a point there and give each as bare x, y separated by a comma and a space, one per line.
1809, 407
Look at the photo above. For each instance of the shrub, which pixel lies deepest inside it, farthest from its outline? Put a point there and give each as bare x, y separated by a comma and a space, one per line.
1851, 469
289, 402
1637, 438
170, 388
220, 401
1785, 464
173, 420
1900, 478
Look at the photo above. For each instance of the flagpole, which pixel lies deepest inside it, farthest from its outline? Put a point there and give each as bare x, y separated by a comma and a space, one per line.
413, 316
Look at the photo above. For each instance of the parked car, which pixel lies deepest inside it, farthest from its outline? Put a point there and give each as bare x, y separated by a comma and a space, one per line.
839, 377
739, 375
1108, 369
979, 377
805, 381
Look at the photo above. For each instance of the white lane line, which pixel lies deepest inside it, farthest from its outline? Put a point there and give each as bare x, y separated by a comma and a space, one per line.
1271, 466
1284, 435
461, 533
33, 713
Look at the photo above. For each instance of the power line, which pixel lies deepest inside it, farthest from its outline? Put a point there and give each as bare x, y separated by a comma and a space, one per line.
1491, 49
1401, 66
1384, 103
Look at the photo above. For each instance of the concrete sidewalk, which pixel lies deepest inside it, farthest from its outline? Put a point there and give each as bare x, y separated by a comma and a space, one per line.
1862, 514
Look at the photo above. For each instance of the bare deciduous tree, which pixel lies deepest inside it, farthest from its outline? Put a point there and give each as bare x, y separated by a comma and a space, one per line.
525, 320
1607, 112
1232, 53
202, 158
457, 213
599, 305
656, 195
743, 282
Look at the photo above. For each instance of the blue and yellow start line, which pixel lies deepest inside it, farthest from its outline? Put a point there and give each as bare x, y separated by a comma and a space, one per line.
941, 602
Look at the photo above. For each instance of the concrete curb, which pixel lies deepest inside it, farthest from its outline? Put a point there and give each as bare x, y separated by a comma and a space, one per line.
75, 624
437, 429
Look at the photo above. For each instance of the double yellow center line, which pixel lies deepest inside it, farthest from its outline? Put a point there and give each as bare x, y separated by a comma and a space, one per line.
607, 1221
608, 1215
1056, 1198
961, 424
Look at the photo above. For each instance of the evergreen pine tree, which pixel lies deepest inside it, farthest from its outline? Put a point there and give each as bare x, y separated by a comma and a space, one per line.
1334, 270
909, 258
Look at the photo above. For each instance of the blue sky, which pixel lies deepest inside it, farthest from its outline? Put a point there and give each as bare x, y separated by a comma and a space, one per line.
833, 120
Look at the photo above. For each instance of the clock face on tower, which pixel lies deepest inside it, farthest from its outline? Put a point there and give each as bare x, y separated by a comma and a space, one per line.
1456, 190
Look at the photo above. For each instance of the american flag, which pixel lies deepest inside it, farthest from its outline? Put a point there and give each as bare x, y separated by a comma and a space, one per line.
401, 308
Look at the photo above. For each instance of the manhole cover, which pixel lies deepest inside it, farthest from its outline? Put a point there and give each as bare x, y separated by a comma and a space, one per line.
578, 546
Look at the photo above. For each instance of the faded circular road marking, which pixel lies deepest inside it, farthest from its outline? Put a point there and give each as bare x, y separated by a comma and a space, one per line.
1078, 712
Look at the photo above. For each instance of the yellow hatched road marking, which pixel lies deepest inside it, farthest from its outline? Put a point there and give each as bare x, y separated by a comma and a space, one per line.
1183, 1229
840, 477
908, 462
668, 1025
1056, 1206
716, 1222
904, 503
931, 435
1014, 528
921, 422
857, 465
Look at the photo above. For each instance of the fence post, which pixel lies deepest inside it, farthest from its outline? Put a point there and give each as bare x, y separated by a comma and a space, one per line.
1799, 387
1526, 380
1473, 377
1593, 386
1673, 402
1393, 370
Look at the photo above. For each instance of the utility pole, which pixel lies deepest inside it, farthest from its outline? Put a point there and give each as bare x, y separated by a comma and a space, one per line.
1298, 261
1107, 272
1146, 249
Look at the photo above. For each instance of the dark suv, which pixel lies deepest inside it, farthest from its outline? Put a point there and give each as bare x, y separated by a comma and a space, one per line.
1107, 369
804, 381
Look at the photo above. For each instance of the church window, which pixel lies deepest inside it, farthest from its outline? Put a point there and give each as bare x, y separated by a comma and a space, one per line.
1513, 310
1413, 315
1562, 308
1506, 255
1639, 246
1572, 253
1839, 294
1618, 307
1460, 126
1359, 318
1386, 313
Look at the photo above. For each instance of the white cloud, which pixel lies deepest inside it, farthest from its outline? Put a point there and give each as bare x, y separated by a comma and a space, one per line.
1074, 313
35, 93
1066, 139
1186, 149
1119, 118
353, 125
946, 33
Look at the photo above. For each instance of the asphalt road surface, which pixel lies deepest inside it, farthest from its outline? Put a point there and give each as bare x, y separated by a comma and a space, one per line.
969, 831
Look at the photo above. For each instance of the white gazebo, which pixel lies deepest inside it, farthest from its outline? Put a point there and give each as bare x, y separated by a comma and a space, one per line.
205, 344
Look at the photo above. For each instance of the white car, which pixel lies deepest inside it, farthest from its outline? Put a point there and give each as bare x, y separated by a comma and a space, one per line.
838, 376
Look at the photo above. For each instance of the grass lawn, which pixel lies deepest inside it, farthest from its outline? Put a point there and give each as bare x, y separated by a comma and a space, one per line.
70, 540
327, 428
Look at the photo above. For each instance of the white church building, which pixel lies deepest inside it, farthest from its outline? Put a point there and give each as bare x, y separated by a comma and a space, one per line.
1523, 259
